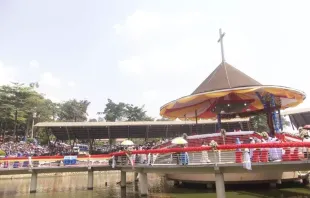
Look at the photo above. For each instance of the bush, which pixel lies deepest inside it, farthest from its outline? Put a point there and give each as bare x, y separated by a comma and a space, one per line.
30, 140
2, 153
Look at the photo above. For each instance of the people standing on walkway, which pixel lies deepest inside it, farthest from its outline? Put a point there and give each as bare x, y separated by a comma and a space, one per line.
204, 154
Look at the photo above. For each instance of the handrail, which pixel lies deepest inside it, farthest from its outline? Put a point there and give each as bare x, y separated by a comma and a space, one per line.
173, 150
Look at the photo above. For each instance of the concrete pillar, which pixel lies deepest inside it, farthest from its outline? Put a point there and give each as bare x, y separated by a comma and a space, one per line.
123, 179
90, 183
220, 185
143, 184
136, 176
33, 184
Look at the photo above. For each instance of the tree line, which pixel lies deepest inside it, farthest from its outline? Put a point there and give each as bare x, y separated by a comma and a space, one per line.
22, 105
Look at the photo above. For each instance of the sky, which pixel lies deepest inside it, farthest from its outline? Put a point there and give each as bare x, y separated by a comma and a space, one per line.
149, 52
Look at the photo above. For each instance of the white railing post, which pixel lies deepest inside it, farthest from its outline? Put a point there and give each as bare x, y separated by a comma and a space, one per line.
30, 162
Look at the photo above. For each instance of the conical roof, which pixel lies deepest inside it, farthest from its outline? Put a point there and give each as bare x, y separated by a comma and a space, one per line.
225, 76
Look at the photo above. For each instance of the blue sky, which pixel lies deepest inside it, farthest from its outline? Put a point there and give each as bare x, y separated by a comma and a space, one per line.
149, 52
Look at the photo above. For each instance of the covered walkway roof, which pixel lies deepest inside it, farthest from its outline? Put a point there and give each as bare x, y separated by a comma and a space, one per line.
158, 129
299, 117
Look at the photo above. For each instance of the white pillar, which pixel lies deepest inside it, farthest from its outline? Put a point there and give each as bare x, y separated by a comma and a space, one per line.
143, 184
136, 176
123, 179
220, 185
90, 184
33, 184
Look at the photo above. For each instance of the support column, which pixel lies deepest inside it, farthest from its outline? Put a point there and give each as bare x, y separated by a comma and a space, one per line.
33, 184
220, 185
136, 176
143, 184
90, 184
123, 179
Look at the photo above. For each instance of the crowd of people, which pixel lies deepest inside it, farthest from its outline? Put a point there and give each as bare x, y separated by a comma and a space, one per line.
22, 148
25, 148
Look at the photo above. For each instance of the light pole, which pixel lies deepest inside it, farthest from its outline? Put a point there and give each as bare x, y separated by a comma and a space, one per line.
34, 115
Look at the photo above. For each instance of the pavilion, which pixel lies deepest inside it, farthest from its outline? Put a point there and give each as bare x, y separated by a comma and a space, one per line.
150, 129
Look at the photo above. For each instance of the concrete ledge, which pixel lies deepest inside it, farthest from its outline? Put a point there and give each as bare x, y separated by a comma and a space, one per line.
171, 168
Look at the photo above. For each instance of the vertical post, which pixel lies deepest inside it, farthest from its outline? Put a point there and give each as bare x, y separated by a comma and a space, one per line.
33, 184
280, 120
143, 184
136, 174
220, 185
147, 132
123, 179
291, 121
109, 136
15, 125
90, 184
128, 135
219, 121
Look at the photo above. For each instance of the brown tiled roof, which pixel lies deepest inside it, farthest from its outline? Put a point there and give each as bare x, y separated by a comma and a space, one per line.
225, 76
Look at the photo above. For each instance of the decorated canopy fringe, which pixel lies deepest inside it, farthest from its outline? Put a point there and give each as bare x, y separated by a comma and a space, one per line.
228, 86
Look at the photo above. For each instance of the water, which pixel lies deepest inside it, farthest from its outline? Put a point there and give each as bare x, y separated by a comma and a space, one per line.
74, 186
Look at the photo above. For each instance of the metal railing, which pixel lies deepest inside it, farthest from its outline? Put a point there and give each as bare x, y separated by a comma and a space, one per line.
221, 154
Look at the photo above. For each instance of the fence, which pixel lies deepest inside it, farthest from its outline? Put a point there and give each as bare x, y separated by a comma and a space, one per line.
223, 154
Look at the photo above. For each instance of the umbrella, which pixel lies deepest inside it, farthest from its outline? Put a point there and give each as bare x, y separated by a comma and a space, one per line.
230, 92
179, 140
127, 143
307, 127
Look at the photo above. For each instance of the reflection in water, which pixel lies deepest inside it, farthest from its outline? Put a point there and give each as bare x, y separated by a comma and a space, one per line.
75, 186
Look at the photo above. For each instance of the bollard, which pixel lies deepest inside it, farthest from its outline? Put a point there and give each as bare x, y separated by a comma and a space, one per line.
143, 184
90, 184
33, 184
123, 179
220, 185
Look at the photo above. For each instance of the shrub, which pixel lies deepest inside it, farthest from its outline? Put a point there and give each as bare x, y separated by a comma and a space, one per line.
2, 153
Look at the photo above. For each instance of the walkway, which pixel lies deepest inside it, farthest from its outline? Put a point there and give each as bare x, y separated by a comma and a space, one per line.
221, 160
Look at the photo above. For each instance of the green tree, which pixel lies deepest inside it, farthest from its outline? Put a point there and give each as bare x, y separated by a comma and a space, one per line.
124, 112
21, 106
260, 124
13, 101
92, 120
135, 113
73, 110
114, 112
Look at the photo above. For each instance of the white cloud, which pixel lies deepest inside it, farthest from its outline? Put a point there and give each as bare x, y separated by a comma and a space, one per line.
181, 58
71, 84
171, 43
152, 100
52, 98
139, 23
133, 65
34, 64
7, 74
48, 79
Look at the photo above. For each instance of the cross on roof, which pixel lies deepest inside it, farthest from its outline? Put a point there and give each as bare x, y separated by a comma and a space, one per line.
222, 47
